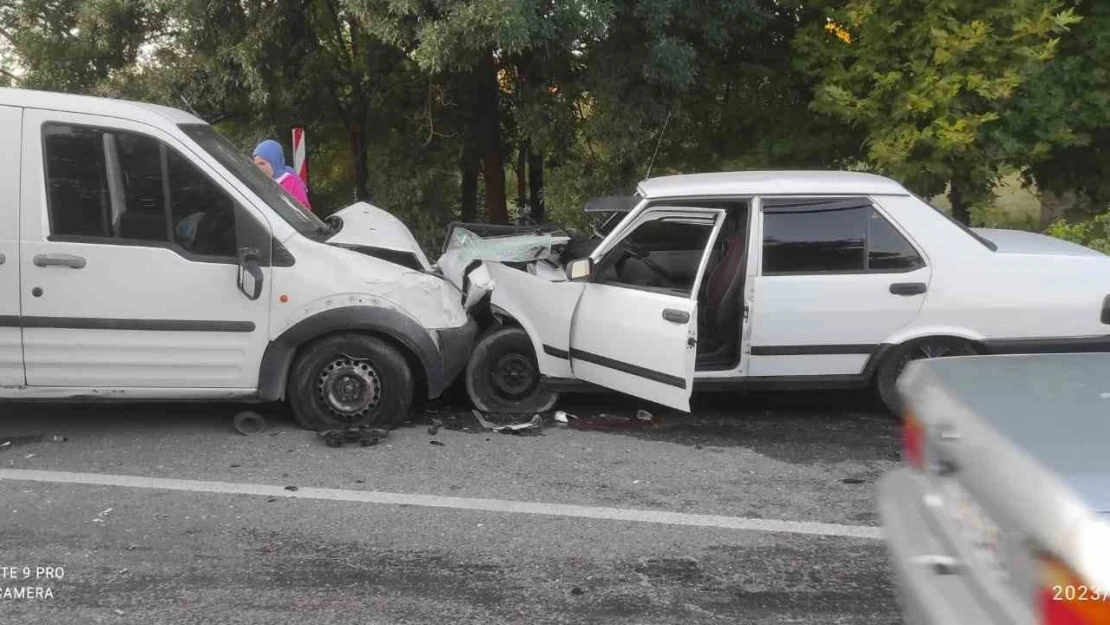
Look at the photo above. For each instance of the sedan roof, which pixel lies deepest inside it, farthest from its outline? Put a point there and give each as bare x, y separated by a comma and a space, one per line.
770, 183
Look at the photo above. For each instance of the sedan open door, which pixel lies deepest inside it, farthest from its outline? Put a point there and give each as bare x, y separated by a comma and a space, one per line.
636, 324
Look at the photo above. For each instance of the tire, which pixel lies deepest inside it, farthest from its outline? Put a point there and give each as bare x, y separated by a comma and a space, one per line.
502, 374
347, 380
892, 366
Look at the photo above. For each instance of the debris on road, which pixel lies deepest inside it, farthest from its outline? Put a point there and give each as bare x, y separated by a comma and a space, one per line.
532, 426
363, 435
292, 489
613, 423
103, 514
434, 427
564, 417
437, 443
7, 442
249, 423
643, 415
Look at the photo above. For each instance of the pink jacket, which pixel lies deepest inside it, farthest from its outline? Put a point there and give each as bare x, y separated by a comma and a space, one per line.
295, 186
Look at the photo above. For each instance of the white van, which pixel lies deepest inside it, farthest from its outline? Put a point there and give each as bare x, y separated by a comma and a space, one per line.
142, 256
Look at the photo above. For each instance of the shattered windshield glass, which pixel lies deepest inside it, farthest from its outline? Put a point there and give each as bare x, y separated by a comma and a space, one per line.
518, 248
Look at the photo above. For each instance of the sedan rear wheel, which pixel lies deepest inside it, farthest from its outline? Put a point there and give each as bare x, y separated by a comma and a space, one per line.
895, 363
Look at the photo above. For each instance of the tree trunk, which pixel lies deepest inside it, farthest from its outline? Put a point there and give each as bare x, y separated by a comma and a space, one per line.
468, 168
487, 120
358, 158
522, 176
961, 210
535, 187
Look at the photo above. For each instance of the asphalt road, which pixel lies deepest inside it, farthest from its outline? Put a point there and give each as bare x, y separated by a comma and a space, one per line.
688, 519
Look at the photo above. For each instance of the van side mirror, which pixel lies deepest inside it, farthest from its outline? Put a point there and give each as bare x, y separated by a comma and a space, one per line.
250, 273
580, 269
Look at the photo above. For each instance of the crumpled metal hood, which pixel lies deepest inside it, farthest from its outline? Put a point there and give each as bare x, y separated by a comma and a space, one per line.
367, 225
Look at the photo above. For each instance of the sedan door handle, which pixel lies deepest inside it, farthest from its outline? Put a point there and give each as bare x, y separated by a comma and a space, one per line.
676, 316
907, 288
59, 260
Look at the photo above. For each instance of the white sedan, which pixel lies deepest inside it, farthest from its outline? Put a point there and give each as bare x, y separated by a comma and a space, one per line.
782, 280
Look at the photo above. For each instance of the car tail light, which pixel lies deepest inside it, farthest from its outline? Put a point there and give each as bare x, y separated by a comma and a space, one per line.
913, 440
1065, 599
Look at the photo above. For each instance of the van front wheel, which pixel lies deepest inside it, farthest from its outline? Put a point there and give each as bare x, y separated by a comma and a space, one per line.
350, 380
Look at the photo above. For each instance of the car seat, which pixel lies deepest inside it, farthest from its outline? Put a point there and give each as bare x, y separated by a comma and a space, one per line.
717, 336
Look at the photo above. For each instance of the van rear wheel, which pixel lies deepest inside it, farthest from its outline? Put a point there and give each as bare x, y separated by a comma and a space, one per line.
348, 380
502, 374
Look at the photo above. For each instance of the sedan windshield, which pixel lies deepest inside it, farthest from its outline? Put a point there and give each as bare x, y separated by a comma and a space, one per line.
264, 187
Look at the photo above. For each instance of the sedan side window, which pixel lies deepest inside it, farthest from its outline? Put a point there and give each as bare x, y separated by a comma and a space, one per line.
662, 254
887, 249
832, 235
814, 236
119, 187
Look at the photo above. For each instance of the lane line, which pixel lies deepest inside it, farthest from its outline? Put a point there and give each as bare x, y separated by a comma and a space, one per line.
457, 503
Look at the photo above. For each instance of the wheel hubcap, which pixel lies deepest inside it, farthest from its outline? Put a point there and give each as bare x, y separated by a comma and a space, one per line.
514, 375
923, 351
349, 388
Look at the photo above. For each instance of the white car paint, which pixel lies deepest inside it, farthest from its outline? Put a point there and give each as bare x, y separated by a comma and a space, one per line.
1029, 292
99, 330
366, 224
11, 338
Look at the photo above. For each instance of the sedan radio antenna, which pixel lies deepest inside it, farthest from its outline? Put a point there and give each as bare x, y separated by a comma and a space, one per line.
658, 142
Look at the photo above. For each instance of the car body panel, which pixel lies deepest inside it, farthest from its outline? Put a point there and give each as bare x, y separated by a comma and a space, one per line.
11, 335
367, 225
1020, 440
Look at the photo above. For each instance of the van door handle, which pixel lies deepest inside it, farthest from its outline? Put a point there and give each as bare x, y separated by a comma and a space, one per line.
676, 316
59, 260
907, 288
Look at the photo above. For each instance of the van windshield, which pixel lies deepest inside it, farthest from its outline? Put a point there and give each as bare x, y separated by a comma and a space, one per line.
247, 172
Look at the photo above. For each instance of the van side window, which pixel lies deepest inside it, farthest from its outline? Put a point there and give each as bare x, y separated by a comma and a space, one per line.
114, 186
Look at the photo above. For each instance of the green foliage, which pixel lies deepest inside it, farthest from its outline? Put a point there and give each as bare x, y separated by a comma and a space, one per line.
1093, 233
1063, 111
942, 95
927, 83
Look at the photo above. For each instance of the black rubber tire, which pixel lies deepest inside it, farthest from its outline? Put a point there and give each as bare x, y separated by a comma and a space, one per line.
886, 378
486, 394
309, 409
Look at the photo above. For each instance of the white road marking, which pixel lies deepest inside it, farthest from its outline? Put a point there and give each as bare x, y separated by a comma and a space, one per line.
458, 503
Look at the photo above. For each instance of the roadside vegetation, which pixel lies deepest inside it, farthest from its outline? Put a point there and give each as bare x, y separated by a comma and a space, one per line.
502, 110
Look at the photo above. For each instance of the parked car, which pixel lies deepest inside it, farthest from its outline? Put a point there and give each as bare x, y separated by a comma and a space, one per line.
782, 280
147, 258
1003, 512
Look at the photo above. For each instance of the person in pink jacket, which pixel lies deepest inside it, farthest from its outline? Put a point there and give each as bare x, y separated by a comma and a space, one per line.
270, 158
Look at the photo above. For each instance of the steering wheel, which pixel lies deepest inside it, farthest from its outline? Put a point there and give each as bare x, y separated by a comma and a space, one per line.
631, 250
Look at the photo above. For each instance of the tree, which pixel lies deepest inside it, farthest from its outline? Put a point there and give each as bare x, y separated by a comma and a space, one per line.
487, 43
1063, 110
926, 84
73, 45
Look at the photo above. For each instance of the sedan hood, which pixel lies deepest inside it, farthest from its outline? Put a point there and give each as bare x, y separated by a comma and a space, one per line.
1019, 242
367, 226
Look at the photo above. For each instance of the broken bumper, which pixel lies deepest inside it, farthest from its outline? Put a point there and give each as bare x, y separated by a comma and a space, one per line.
455, 345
